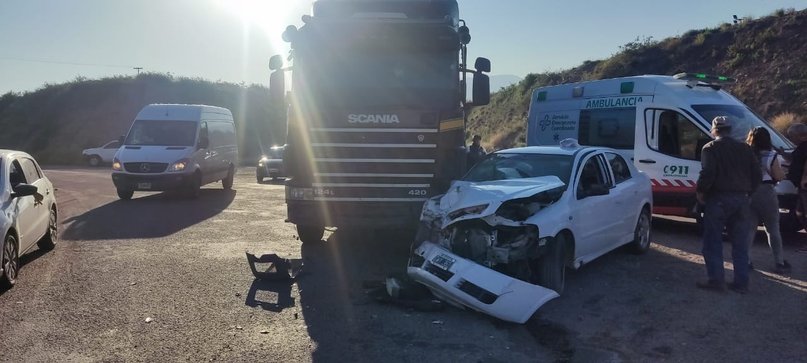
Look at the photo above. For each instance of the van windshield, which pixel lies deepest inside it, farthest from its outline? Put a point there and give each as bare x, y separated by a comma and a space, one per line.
162, 133
745, 121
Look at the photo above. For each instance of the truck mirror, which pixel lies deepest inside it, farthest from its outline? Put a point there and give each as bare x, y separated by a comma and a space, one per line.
481, 89
482, 65
275, 62
277, 87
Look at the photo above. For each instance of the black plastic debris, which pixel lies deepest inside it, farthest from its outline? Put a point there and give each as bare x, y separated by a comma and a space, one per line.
278, 269
404, 292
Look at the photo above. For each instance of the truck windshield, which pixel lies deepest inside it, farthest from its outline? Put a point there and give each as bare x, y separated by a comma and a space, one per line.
745, 121
517, 166
162, 133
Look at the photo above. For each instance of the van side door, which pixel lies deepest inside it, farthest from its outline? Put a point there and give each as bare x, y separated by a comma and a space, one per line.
670, 155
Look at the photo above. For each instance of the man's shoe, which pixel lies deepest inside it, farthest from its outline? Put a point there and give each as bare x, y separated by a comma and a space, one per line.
740, 289
713, 285
782, 268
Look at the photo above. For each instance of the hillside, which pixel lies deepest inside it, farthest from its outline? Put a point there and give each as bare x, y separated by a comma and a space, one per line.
56, 122
766, 56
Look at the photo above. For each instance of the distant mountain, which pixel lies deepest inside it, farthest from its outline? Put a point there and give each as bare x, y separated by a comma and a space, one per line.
766, 56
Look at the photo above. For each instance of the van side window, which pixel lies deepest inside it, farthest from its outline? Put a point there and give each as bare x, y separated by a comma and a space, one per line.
203, 131
676, 135
611, 127
619, 167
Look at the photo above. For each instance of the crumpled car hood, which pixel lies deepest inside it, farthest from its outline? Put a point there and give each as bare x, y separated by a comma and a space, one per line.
464, 194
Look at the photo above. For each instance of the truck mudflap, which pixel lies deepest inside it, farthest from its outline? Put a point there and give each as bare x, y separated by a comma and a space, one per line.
466, 284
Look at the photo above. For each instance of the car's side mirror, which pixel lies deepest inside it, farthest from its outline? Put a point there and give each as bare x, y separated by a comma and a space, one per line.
22, 190
203, 143
594, 190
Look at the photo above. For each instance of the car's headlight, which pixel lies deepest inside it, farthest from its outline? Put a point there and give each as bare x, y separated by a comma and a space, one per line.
179, 165
116, 165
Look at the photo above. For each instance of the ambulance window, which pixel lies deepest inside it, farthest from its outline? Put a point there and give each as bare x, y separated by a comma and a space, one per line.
677, 136
612, 127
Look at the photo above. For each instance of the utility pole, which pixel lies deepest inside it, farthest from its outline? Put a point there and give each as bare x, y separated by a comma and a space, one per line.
138, 69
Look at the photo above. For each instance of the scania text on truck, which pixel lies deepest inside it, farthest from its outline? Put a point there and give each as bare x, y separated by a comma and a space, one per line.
376, 115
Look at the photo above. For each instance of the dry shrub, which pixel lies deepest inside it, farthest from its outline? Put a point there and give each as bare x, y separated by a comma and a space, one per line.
502, 140
782, 121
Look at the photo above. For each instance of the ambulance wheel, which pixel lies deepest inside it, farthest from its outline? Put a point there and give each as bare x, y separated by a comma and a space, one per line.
550, 269
310, 234
125, 194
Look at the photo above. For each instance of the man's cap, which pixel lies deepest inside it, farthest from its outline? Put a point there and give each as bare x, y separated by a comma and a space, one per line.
477, 137
721, 122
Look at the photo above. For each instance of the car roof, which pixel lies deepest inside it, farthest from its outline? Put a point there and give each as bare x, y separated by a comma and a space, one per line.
9, 153
551, 150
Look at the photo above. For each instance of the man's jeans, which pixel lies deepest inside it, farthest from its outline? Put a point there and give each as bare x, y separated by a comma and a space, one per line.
732, 211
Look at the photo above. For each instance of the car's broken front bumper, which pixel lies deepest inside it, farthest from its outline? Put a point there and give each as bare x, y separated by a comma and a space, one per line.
463, 282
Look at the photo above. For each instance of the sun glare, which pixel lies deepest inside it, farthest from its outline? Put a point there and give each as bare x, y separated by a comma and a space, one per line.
271, 16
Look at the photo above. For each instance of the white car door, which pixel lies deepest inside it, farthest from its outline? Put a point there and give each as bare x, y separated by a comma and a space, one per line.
23, 208
107, 152
596, 222
41, 204
625, 194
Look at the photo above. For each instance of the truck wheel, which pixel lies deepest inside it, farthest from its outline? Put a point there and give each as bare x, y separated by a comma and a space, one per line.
94, 160
550, 269
11, 263
310, 234
125, 194
641, 235
227, 182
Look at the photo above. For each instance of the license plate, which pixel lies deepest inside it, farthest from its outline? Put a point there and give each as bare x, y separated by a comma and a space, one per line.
143, 185
443, 261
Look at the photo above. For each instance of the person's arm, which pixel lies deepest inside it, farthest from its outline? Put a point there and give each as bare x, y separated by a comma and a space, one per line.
777, 172
707, 175
756, 169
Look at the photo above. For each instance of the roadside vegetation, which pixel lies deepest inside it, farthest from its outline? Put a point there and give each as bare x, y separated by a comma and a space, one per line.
765, 55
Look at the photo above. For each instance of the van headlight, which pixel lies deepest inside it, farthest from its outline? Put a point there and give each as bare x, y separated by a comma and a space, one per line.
179, 165
116, 165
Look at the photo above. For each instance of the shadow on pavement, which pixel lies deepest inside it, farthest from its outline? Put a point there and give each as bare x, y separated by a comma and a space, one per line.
27, 258
152, 216
270, 295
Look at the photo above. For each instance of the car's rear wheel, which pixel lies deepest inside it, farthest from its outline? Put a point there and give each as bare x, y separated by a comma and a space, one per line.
227, 182
49, 240
641, 234
310, 234
94, 160
11, 262
550, 269
125, 194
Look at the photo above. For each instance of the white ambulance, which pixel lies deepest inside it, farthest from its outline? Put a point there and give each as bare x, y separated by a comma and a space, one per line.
659, 122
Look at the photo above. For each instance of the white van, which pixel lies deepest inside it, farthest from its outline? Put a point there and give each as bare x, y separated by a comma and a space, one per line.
659, 122
176, 147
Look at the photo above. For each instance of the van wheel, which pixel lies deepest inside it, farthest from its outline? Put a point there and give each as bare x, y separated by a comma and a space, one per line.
310, 234
11, 263
94, 160
641, 234
227, 182
49, 240
125, 194
550, 269
194, 189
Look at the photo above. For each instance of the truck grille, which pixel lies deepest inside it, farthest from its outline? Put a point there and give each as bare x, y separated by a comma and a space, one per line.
145, 167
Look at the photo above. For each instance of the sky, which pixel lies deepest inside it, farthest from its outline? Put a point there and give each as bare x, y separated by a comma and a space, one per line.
53, 41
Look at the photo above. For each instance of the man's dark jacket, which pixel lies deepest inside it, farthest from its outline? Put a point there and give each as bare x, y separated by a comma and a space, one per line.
728, 166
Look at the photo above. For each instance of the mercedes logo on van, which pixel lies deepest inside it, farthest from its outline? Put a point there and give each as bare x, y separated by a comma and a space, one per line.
145, 168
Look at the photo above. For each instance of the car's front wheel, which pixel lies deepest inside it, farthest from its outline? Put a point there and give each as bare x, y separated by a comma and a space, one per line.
94, 160
550, 269
259, 175
641, 234
11, 262
49, 240
227, 182
125, 194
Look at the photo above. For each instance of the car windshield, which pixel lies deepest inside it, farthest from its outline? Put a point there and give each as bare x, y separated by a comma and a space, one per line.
501, 166
162, 132
744, 119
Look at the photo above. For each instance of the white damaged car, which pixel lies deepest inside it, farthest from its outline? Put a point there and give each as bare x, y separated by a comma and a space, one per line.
500, 240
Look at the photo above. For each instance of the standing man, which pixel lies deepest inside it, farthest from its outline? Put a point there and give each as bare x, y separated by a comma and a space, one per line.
730, 172
475, 152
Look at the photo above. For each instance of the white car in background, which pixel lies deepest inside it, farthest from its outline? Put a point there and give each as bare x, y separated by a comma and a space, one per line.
29, 215
500, 240
103, 154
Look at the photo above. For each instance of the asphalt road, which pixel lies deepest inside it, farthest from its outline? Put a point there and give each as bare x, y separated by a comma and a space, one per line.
180, 264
